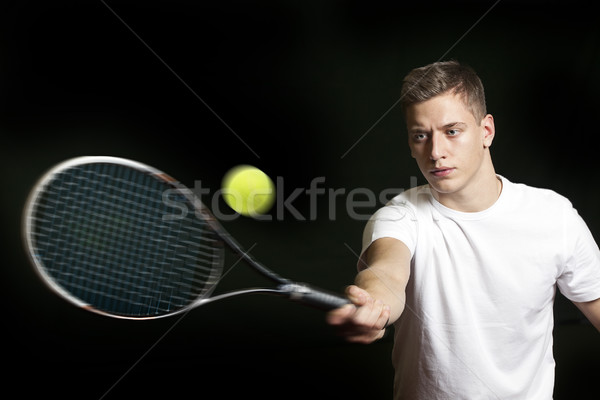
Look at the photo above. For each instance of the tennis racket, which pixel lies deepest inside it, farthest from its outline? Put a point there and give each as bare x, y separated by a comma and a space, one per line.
113, 236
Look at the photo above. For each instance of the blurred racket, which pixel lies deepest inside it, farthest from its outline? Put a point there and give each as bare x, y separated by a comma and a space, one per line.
123, 239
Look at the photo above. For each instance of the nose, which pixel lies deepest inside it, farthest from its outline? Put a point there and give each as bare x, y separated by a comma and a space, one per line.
438, 148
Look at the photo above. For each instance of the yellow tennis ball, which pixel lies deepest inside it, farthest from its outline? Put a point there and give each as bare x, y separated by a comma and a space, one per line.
248, 190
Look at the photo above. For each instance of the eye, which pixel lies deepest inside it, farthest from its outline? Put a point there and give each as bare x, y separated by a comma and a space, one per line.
453, 132
419, 137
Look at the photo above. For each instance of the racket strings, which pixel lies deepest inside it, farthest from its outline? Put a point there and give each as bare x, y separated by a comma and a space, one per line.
101, 234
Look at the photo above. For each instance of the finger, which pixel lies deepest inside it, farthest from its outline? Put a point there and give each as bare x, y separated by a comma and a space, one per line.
341, 315
365, 337
357, 295
366, 324
369, 314
384, 318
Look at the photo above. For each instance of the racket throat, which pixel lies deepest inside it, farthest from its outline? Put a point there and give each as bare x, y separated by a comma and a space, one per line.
294, 291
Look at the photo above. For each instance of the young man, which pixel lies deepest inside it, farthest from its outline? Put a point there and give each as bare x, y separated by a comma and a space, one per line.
467, 266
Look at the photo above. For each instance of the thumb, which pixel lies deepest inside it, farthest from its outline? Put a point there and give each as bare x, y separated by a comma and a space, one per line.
357, 295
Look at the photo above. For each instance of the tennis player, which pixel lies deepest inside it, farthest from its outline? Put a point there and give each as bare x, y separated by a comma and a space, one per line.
466, 267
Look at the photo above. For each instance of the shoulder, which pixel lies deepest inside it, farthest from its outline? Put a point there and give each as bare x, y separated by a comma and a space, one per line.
409, 202
413, 198
398, 218
524, 195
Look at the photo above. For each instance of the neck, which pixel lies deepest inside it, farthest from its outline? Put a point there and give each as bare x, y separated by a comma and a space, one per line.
479, 194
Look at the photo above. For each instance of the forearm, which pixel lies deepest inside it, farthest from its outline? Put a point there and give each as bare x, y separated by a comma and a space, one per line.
378, 295
384, 287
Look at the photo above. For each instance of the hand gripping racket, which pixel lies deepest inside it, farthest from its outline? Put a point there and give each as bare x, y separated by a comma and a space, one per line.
106, 234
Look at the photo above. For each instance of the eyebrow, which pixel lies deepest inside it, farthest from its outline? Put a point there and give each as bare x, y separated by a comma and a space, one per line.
418, 130
458, 124
455, 125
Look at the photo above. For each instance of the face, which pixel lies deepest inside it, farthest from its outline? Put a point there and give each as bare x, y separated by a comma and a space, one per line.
451, 148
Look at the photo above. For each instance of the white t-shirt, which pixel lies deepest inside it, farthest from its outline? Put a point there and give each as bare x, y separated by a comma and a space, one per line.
478, 317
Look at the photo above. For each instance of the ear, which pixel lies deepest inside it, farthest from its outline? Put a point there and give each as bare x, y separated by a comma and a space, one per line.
488, 130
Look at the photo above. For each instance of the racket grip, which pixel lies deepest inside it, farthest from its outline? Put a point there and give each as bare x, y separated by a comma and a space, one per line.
314, 297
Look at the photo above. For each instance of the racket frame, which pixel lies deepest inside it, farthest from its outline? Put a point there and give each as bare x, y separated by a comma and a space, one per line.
284, 287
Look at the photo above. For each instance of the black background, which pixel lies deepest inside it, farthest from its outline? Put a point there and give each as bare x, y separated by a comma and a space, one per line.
292, 87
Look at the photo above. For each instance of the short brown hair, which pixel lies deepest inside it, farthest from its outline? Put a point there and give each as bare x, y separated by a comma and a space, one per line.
432, 80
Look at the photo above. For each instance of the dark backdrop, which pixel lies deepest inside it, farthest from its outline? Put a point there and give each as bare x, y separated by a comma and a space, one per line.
301, 90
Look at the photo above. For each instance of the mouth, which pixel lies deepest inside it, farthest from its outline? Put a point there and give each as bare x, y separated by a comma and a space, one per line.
441, 172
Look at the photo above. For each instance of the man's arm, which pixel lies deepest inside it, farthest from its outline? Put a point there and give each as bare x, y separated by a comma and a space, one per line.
378, 295
591, 309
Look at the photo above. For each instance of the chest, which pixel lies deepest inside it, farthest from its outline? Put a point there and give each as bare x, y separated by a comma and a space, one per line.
487, 269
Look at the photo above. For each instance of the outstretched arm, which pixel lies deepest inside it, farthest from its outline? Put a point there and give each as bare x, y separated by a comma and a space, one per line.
591, 309
378, 295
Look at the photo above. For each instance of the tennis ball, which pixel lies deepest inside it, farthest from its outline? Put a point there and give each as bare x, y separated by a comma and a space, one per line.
248, 190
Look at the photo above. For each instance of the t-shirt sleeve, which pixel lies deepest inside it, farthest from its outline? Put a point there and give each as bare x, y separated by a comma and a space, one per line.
394, 221
579, 279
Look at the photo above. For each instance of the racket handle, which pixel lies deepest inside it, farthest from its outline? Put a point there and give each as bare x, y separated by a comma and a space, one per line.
314, 297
